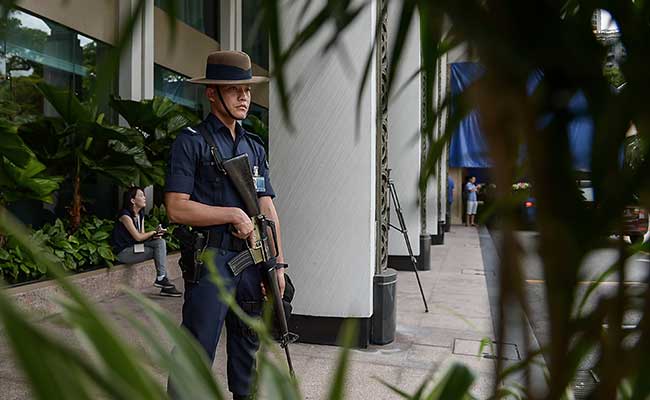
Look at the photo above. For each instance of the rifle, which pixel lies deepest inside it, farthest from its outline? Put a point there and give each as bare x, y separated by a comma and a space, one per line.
259, 253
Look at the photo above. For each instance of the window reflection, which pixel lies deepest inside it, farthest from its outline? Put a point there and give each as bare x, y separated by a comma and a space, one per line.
35, 49
202, 15
173, 85
255, 36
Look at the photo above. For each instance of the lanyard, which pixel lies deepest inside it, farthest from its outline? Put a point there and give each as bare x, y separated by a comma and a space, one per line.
139, 223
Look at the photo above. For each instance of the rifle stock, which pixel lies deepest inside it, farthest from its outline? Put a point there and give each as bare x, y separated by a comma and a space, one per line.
239, 170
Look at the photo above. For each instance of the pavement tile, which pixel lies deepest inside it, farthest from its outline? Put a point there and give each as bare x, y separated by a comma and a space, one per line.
458, 322
361, 380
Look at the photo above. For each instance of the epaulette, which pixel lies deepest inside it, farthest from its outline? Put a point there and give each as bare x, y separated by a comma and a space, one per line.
191, 130
260, 141
256, 138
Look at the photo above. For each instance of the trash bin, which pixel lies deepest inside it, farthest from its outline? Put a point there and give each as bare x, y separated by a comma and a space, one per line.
383, 321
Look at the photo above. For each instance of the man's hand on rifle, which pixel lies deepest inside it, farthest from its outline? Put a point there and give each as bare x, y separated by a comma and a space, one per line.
242, 224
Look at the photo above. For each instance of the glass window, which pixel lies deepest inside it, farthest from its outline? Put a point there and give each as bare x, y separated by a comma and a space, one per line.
35, 49
172, 85
255, 36
202, 15
32, 50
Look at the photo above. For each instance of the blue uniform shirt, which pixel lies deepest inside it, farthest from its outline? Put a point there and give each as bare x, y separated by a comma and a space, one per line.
191, 168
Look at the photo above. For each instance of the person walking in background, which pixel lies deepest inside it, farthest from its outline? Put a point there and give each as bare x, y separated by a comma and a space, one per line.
472, 201
450, 200
133, 245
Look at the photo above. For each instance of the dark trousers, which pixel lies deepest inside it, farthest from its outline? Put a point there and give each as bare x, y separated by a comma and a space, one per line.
204, 315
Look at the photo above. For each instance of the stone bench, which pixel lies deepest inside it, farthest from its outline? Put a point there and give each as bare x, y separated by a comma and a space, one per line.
100, 284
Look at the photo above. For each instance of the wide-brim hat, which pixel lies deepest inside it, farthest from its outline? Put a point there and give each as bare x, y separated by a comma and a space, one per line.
229, 67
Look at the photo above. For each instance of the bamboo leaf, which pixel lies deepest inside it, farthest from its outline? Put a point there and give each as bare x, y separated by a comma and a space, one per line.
347, 337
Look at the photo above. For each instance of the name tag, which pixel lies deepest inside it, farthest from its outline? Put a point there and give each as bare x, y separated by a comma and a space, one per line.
260, 184
258, 180
138, 248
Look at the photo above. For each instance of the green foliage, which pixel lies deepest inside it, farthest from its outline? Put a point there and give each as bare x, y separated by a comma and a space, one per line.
22, 176
88, 247
554, 38
614, 75
82, 141
159, 120
255, 125
158, 216
92, 242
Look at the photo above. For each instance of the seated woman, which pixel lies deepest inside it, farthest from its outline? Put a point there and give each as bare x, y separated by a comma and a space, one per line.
132, 244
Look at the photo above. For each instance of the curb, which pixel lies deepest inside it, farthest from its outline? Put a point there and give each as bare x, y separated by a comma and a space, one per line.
491, 260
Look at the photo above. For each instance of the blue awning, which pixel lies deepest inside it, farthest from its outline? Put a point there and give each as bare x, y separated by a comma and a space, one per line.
468, 148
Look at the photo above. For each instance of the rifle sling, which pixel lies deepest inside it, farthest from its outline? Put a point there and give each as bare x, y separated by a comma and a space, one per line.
244, 259
214, 149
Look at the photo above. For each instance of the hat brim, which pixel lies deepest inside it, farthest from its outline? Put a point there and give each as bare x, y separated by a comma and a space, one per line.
252, 81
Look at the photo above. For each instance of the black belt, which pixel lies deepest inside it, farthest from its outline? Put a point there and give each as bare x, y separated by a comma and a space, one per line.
225, 241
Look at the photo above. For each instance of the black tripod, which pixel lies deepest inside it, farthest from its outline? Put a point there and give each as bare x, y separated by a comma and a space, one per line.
404, 231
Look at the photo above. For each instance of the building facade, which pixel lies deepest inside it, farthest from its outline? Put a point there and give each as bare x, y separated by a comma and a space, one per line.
331, 171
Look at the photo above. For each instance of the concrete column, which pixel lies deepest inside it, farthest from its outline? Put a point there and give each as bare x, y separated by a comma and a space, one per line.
137, 60
457, 206
148, 34
324, 176
231, 25
136, 63
437, 188
404, 125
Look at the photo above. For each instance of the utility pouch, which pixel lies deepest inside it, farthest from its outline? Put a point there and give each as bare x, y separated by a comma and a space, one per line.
192, 244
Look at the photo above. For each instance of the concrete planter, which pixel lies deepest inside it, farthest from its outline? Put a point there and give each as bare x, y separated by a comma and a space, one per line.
42, 297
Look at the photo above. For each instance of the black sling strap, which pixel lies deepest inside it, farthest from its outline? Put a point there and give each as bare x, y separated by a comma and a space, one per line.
214, 149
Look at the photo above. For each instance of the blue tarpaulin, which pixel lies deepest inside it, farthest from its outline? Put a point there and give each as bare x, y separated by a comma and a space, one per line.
468, 148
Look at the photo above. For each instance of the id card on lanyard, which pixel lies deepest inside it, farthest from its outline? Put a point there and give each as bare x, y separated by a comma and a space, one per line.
258, 180
139, 225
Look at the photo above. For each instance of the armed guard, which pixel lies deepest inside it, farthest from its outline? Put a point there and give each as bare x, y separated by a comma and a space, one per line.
200, 195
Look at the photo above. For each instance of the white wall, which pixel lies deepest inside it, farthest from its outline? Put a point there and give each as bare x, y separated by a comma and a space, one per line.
404, 119
324, 174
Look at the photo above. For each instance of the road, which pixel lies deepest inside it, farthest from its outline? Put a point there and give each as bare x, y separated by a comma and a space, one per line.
636, 271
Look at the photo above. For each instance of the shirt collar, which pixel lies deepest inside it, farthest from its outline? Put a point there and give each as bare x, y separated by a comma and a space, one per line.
218, 126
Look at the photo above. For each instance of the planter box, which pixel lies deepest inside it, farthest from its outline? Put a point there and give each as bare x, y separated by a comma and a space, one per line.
101, 284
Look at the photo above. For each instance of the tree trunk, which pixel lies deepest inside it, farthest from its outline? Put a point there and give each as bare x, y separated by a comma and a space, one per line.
3, 238
75, 210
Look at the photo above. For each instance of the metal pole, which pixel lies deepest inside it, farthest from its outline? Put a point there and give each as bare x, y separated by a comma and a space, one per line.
404, 231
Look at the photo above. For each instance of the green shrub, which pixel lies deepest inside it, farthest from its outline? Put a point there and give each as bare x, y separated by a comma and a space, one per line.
86, 248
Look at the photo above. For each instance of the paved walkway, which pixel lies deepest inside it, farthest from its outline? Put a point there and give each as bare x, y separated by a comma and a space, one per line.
459, 318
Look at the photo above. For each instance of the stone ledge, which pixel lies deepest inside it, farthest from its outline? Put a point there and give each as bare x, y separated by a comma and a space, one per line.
101, 284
